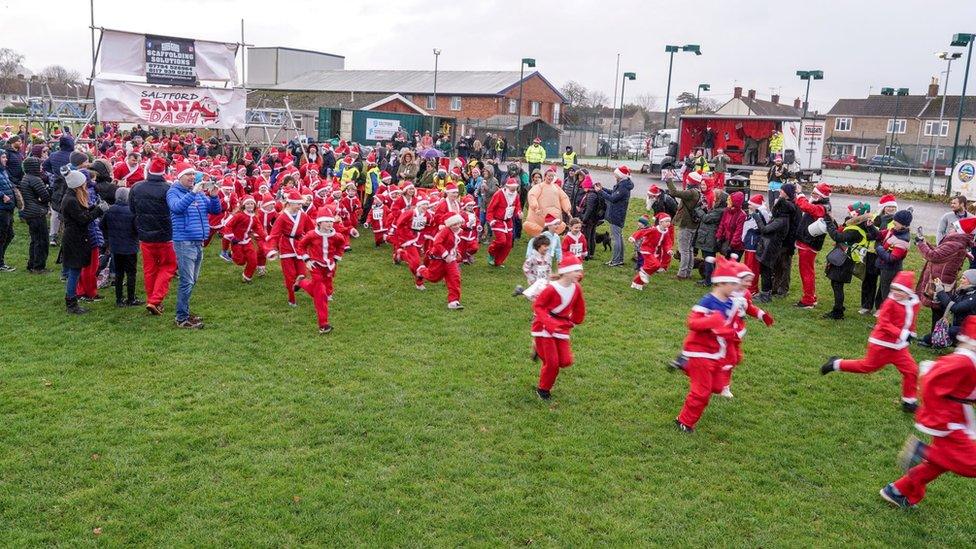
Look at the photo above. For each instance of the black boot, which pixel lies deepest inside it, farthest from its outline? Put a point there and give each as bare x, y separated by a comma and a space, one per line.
828, 366
72, 307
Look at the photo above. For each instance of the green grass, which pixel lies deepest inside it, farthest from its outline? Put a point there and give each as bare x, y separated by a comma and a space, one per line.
414, 425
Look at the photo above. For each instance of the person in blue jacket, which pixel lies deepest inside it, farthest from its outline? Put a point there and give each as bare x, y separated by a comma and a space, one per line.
617, 201
189, 206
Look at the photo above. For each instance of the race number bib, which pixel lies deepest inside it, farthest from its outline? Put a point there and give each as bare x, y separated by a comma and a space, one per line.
378, 213
576, 249
419, 222
509, 212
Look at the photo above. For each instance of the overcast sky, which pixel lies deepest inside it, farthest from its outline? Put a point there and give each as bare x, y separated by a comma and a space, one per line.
860, 45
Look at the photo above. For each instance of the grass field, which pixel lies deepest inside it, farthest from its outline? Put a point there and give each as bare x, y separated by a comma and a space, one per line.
413, 425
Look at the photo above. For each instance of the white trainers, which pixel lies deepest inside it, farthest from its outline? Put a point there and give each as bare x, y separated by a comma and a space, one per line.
636, 286
863, 311
421, 287
726, 392
262, 271
455, 305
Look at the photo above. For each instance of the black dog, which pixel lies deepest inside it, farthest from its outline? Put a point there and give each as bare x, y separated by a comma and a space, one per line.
603, 238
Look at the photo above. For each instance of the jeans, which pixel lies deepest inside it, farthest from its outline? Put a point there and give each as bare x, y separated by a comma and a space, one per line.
37, 258
189, 259
589, 231
617, 242
686, 241
781, 274
6, 232
71, 284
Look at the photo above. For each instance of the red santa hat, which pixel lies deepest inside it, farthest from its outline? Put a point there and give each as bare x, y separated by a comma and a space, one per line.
443, 164
966, 225
570, 263
967, 333
552, 220
468, 200
904, 281
822, 189
622, 171
267, 200
456, 172
725, 270
371, 158
324, 214
157, 166
757, 200
347, 160
887, 200
407, 186
662, 216
248, 198
423, 202
511, 182
454, 220
537, 141
654, 190
227, 182
248, 157
551, 169
182, 168
384, 176
695, 177
451, 188
294, 197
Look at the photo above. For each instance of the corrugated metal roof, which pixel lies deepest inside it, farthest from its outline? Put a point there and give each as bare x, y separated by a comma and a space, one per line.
367, 81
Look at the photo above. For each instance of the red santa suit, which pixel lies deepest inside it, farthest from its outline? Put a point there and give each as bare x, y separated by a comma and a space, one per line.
470, 229
127, 176
501, 212
410, 230
807, 254
948, 390
742, 306
228, 204
575, 244
403, 201
557, 310
288, 229
349, 208
322, 250
442, 260
449, 206
266, 217
379, 220
243, 230
888, 343
654, 243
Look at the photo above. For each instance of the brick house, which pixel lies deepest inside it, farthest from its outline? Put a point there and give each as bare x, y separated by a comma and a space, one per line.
868, 127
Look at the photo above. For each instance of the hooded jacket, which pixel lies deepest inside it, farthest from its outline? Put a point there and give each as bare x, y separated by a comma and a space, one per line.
773, 234
706, 238
35, 192
60, 157
147, 201
729, 231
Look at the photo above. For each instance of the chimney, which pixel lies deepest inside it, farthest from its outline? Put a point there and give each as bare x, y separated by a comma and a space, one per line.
752, 94
775, 99
797, 103
934, 87
737, 91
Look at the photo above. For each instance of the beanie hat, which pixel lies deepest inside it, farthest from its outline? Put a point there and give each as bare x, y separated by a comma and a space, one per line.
789, 190
644, 221
569, 264
74, 179
904, 217
887, 200
157, 166
859, 208
77, 158
622, 172
587, 182
970, 276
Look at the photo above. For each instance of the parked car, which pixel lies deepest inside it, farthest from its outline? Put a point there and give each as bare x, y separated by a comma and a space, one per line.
880, 161
940, 165
842, 162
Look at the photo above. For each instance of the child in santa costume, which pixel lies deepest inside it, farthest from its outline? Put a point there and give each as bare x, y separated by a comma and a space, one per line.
742, 307
502, 210
289, 228
654, 243
574, 242
241, 231
379, 220
322, 248
537, 269
350, 206
228, 205
948, 388
442, 260
888, 343
808, 245
557, 310
706, 347
449, 206
410, 229
267, 213
470, 229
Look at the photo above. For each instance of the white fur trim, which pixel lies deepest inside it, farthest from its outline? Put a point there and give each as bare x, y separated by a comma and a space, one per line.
719, 279
571, 268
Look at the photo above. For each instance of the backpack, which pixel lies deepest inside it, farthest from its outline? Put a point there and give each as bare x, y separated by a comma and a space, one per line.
940, 333
58, 189
601, 208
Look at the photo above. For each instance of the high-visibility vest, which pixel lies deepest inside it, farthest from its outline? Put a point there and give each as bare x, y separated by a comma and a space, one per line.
535, 154
569, 159
859, 249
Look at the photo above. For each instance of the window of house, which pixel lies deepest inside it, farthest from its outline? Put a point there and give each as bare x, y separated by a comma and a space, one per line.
893, 150
456, 103
900, 127
431, 102
934, 127
555, 112
512, 106
861, 151
842, 125
536, 108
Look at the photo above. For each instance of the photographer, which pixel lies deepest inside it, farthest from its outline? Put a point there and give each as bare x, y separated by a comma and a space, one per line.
960, 302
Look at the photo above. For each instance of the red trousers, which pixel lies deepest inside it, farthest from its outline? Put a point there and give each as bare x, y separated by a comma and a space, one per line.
955, 453
468, 248
378, 236
158, 268
224, 243
411, 256
705, 380
648, 268
245, 255
501, 245
88, 282
317, 287
555, 354
261, 249
291, 267
807, 276
749, 258
448, 271
878, 357
733, 356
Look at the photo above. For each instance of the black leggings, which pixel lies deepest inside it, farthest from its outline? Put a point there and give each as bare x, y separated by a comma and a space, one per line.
37, 256
838, 288
6, 232
765, 278
884, 286
125, 269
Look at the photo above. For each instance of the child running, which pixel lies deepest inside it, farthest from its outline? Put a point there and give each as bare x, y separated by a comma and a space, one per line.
558, 309
537, 268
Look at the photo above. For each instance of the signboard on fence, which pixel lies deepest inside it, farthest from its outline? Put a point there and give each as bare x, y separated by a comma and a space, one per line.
964, 178
381, 129
166, 59
179, 107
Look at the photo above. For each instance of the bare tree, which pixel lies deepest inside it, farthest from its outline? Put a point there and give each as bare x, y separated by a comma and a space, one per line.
60, 75
645, 101
708, 105
9, 62
575, 92
597, 98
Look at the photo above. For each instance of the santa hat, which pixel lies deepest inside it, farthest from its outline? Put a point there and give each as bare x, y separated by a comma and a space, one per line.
248, 157
551, 169
695, 177
468, 200
757, 200
267, 200
227, 182
324, 214
904, 281
294, 197
247, 199
456, 172
966, 225
570, 263
371, 158
654, 190
552, 220
443, 164
384, 176
725, 270
537, 141
622, 172
887, 200
822, 189
451, 188
182, 168
157, 166
744, 270
423, 202
408, 185
347, 160
662, 216
454, 220
511, 182
967, 333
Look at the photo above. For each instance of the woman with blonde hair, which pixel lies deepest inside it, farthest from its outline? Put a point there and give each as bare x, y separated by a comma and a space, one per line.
76, 245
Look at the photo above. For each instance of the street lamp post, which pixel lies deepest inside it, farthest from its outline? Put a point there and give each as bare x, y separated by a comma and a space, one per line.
701, 87
623, 85
960, 40
808, 76
694, 48
894, 123
933, 147
433, 122
526, 62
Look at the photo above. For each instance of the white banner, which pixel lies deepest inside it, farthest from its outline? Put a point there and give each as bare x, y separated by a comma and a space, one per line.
167, 60
381, 129
180, 107
964, 178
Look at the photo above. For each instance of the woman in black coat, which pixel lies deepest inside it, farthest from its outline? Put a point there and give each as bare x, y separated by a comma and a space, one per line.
588, 211
76, 245
34, 213
771, 236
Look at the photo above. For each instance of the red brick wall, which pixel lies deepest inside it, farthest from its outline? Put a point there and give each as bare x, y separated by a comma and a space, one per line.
481, 106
